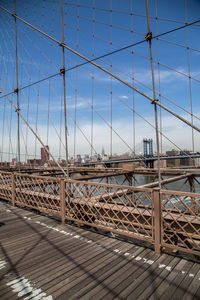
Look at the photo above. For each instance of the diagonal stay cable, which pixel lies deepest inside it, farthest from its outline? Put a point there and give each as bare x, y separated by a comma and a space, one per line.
110, 73
36, 135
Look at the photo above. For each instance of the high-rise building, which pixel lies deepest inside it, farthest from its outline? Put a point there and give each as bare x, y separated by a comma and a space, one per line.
44, 155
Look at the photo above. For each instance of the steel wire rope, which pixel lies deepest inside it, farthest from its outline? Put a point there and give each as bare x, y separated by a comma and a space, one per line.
106, 24
21, 77
101, 117
158, 66
133, 82
126, 13
50, 119
135, 79
60, 137
126, 75
32, 130
75, 104
49, 98
28, 98
141, 83
4, 102
111, 100
189, 78
8, 81
61, 115
106, 71
154, 95
155, 62
144, 119
45, 107
37, 104
12, 62
115, 51
92, 107
179, 45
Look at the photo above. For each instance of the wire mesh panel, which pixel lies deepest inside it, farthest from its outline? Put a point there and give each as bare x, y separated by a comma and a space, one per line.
38, 193
181, 220
5, 186
121, 209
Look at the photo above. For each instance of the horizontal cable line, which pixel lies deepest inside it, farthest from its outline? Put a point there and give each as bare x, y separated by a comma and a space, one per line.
103, 23
31, 84
51, 76
122, 12
121, 28
107, 54
177, 44
35, 133
144, 85
110, 73
145, 57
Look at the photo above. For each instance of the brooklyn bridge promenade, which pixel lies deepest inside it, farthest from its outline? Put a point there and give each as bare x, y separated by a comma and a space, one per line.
79, 78
41, 259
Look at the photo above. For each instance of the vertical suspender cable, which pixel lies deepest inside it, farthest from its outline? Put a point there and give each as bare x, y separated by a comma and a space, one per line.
17, 91
64, 91
154, 102
111, 98
159, 89
189, 78
92, 107
132, 73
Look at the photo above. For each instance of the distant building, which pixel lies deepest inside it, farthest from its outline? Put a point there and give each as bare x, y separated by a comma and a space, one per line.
44, 155
173, 162
34, 162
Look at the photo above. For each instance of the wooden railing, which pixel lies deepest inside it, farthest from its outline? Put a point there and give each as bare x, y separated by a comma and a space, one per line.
163, 218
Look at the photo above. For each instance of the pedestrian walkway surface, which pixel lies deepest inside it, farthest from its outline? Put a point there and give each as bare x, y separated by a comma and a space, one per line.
41, 259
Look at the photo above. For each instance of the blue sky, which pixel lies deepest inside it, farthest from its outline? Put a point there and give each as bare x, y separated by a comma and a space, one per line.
94, 32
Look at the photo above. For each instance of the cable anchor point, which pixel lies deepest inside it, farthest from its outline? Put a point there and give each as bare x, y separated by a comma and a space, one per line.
154, 101
148, 36
62, 71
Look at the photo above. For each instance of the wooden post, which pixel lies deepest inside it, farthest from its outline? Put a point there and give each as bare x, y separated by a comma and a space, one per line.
106, 182
157, 219
13, 188
192, 190
62, 201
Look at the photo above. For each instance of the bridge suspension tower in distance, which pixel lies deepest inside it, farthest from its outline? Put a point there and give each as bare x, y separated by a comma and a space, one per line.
148, 147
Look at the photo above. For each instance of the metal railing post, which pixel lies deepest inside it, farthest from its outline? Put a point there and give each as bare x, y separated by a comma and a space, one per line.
157, 220
13, 189
62, 200
192, 190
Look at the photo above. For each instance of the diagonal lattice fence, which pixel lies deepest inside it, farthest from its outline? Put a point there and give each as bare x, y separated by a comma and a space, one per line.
121, 209
164, 218
181, 220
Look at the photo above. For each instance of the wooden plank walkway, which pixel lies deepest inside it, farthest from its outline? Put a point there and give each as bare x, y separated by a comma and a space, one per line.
40, 259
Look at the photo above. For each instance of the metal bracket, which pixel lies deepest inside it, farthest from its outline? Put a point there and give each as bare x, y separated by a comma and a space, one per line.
62, 71
16, 91
62, 44
148, 36
154, 101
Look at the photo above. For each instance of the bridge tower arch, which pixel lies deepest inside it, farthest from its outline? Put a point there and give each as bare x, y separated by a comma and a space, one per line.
148, 152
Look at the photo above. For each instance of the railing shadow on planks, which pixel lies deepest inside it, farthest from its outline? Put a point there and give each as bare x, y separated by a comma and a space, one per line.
163, 218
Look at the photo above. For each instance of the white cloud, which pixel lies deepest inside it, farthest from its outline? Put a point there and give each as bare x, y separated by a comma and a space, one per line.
178, 132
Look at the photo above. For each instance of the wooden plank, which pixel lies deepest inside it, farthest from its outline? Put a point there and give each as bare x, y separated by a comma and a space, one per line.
185, 284
177, 281
157, 279
193, 287
91, 273
109, 287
